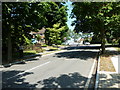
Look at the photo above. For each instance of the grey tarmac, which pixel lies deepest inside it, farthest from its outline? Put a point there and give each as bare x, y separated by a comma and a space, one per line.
64, 69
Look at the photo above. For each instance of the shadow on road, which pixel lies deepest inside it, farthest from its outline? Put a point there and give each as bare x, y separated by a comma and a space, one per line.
15, 82
82, 47
84, 55
88, 47
71, 80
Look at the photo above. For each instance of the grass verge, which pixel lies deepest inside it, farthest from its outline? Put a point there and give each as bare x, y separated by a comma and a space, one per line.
117, 48
28, 52
105, 60
106, 64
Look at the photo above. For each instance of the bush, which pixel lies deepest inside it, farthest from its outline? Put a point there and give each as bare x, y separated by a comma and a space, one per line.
114, 42
59, 42
119, 41
44, 45
28, 47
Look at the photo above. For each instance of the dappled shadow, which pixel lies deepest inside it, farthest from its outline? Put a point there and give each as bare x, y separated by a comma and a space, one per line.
82, 47
32, 59
27, 54
33, 55
28, 57
84, 55
112, 45
22, 62
17, 81
52, 50
92, 82
111, 53
88, 47
71, 80
111, 82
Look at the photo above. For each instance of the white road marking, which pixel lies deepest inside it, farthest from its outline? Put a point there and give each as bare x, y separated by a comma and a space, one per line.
37, 66
29, 70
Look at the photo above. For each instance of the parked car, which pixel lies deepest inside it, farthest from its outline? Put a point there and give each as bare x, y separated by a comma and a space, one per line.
87, 43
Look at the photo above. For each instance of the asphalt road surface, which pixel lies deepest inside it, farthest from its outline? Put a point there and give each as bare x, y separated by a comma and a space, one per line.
64, 69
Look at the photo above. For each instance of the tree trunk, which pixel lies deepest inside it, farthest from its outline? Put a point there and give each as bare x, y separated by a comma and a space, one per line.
9, 47
103, 41
103, 47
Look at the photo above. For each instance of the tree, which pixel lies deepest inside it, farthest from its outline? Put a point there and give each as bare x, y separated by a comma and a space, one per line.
56, 14
55, 34
38, 37
20, 18
13, 26
97, 17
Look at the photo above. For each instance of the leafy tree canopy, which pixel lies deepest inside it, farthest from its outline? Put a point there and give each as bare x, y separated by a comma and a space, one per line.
99, 17
55, 34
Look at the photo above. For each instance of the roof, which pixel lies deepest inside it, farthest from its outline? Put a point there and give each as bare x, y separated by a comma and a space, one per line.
42, 31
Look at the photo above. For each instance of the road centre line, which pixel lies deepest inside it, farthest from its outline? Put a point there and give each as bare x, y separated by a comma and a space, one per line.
29, 69
38, 66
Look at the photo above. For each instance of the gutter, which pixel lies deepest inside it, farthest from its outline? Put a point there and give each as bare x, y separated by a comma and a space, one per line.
97, 73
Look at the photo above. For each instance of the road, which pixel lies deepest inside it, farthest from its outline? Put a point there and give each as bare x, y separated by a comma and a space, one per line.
65, 69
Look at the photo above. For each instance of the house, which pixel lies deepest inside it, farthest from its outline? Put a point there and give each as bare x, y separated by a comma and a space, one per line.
41, 33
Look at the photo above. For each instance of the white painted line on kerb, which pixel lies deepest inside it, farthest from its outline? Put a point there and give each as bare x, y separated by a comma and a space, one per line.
90, 75
29, 70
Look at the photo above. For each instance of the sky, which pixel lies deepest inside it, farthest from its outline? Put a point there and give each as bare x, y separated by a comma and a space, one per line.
69, 22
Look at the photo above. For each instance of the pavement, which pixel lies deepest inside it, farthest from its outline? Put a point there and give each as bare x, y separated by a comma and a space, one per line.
63, 69
115, 60
110, 79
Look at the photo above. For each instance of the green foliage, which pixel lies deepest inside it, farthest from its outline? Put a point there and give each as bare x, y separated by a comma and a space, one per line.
98, 17
55, 34
95, 40
19, 19
27, 41
30, 51
119, 41
38, 37
59, 42
44, 45
115, 42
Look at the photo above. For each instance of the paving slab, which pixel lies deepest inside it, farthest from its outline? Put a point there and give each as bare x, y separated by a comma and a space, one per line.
110, 79
107, 80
